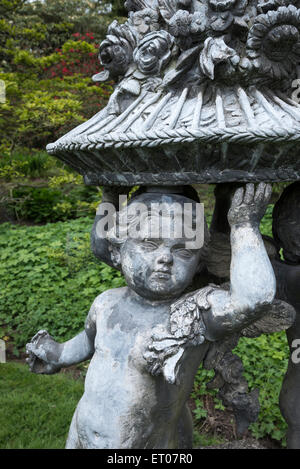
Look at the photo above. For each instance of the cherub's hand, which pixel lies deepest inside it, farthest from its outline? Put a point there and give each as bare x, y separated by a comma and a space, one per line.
43, 354
249, 205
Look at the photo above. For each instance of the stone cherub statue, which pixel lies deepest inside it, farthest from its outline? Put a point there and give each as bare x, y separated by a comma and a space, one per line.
146, 340
286, 231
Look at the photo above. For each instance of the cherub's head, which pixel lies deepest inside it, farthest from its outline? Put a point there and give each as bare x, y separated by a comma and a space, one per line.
162, 266
286, 223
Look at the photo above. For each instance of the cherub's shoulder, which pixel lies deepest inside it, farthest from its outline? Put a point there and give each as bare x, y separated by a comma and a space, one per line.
109, 298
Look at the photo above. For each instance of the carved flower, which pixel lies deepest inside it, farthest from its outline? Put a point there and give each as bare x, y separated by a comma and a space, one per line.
223, 13
145, 21
187, 27
214, 53
265, 6
154, 52
116, 51
273, 43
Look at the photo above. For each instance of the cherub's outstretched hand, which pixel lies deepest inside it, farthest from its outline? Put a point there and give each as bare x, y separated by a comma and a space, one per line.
43, 353
249, 204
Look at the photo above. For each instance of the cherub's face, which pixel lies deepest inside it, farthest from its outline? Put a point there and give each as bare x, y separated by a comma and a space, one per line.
158, 269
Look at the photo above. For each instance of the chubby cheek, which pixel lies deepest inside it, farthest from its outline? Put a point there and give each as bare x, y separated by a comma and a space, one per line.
135, 267
184, 271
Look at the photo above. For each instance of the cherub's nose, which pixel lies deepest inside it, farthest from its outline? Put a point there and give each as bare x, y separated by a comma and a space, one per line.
165, 257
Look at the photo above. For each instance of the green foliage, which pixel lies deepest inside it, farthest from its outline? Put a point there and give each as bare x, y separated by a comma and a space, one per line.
35, 411
50, 204
202, 439
22, 164
50, 278
47, 65
265, 361
266, 223
40, 204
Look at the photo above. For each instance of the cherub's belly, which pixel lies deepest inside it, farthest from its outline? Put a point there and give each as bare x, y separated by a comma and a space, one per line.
125, 408
133, 410
125, 418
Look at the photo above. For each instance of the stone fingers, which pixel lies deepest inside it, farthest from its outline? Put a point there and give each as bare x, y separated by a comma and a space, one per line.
263, 193
249, 194
237, 198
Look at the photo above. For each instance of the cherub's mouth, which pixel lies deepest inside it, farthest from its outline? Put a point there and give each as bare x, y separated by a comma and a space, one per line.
162, 274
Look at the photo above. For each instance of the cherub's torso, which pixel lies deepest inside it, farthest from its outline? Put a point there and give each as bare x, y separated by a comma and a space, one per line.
122, 400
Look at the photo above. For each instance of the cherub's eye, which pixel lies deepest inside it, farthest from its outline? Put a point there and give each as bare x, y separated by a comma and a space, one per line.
149, 245
185, 253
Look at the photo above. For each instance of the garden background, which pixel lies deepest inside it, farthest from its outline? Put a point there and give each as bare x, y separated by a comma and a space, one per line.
48, 275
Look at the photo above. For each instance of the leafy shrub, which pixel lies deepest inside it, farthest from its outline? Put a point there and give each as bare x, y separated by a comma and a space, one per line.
265, 361
47, 68
51, 204
49, 279
38, 204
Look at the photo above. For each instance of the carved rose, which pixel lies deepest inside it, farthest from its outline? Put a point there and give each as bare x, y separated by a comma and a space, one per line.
116, 51
154, 52
273, 44
145, 21
187, 27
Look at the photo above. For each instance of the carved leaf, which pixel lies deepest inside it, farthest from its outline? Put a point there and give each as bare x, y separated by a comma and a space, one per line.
132, 86
184, 63
167, 9
172, 76
102, 76
187, 58
136, 5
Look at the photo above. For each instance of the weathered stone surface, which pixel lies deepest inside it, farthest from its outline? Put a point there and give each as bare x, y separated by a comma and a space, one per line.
203, 95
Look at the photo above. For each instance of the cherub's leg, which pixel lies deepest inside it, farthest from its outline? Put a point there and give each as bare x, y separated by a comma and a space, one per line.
290, 392
73, 440
185, 429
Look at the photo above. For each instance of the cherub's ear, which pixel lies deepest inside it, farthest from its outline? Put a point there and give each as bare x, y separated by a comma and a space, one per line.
115, 255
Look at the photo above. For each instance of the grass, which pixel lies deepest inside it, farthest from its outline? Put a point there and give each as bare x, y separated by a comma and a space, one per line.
35, 410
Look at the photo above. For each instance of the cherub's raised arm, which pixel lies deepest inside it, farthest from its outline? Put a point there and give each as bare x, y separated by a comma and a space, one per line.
252, 280
46, 356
